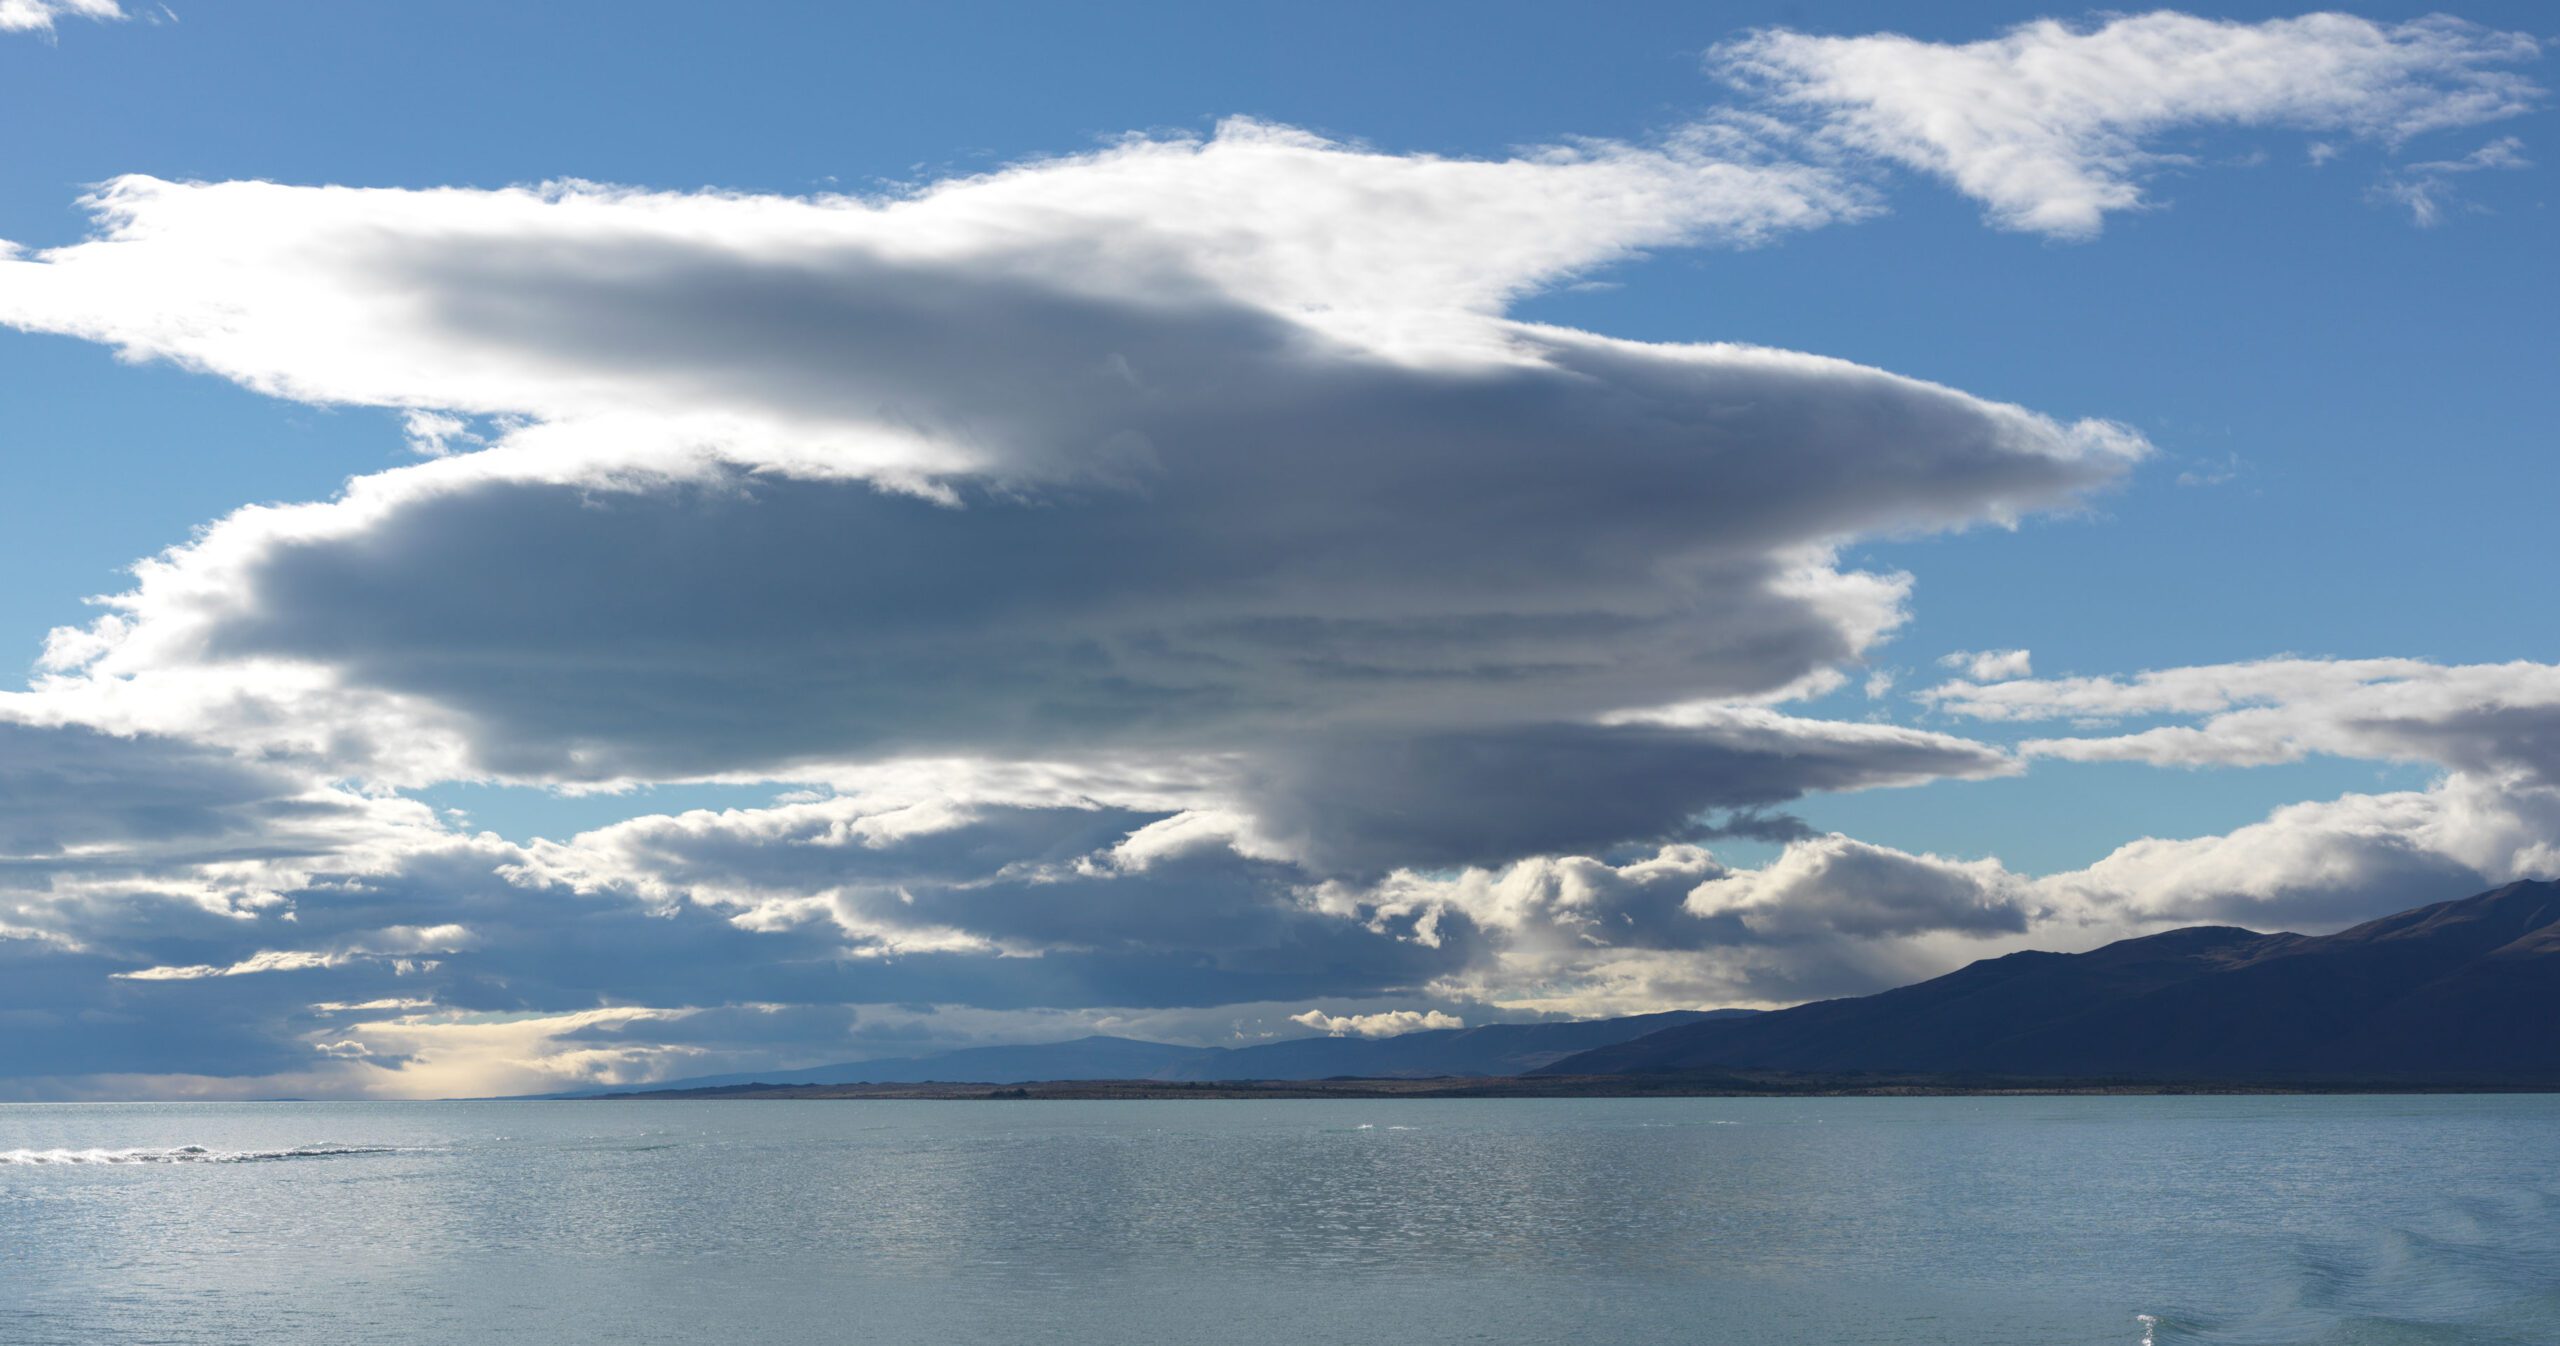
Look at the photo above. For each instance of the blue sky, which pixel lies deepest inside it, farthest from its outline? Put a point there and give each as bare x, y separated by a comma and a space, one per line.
2292, 409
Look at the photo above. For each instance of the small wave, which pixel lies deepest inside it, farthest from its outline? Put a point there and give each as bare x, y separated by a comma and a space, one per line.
187, 1154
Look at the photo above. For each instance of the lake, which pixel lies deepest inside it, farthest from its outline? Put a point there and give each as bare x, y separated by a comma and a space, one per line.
1965, 1221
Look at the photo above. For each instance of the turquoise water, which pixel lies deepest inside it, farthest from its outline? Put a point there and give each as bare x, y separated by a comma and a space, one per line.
2042, 1222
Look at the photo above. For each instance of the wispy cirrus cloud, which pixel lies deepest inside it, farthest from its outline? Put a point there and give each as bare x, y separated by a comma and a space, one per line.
2427, 189
2489, 719
396, 942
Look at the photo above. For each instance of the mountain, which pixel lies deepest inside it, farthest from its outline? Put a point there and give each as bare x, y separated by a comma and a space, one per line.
1493, 1049
2459, 990
1087, 1058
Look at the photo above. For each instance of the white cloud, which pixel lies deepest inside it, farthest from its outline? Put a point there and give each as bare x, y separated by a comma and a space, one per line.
1386, 1024
38, 16
1583, 936
2327, 864
402, 298
2493, 729
108, 840
1832, 913
372, 1006
2050, 124
1892, 916
1990, 665
1191, 832
432, 434
394, 944
2426, 189
2211, 472
1835, 886
2490, 720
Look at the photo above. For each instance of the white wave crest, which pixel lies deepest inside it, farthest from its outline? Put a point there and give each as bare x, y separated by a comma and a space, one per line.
186, 1154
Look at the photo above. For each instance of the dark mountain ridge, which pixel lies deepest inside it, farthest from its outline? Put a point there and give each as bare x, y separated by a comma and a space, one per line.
1488, 1049
2468, 988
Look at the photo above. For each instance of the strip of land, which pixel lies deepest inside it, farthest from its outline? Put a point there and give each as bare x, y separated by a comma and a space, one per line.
1718, 1085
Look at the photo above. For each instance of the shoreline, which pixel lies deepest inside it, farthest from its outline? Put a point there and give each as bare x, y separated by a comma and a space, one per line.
1582, 1086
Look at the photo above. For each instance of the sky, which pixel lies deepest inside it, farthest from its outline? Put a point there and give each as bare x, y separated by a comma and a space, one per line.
579, 544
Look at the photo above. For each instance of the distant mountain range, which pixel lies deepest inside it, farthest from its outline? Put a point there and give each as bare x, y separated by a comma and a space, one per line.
1493, 1049
2458, 990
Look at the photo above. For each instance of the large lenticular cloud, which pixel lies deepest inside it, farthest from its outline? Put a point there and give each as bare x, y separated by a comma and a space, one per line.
1180, 449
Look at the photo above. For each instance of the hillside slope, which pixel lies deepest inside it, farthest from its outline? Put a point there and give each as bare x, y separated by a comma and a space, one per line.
2469, 988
